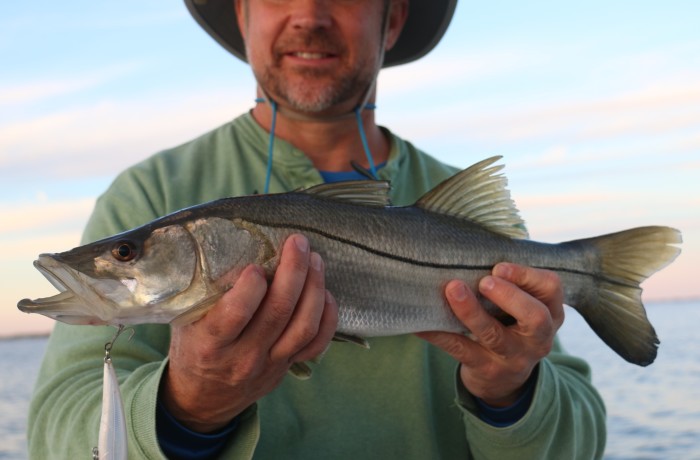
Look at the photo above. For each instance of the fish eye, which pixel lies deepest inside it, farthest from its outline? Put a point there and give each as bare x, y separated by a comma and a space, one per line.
124, 251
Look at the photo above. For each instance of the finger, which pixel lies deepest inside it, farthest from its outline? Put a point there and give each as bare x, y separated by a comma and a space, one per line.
326, 330
304, 323
544, 285
461, 348
233, 311
277, 307
518, 297
485, 329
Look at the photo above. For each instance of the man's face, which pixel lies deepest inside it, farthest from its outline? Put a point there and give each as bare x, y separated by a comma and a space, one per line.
314, 56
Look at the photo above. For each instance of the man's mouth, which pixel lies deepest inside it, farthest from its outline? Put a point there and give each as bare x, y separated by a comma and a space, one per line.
311, 55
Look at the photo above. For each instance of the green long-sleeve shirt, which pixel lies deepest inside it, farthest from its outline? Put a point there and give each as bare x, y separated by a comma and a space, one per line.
400, 399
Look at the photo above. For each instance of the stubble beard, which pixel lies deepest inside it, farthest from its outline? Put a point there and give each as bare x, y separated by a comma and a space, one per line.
315, 91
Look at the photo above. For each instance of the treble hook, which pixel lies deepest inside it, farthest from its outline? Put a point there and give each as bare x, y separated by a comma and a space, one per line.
108, 346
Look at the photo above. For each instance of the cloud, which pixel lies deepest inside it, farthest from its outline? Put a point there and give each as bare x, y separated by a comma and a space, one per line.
51, 18
445, 70
566, 91
25, 93
42, 217
644, 110
106, 136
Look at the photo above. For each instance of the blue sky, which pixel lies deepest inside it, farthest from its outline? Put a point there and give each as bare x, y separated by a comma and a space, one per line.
594, 105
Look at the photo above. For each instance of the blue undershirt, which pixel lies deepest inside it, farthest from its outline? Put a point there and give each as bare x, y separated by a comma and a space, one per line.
180, 443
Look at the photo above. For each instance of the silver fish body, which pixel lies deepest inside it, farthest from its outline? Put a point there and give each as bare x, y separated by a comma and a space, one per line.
387, 266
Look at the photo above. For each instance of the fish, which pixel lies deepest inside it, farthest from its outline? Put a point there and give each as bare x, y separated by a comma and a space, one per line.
386, 265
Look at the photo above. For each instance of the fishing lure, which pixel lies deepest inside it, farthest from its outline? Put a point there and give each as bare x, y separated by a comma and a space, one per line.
112, 444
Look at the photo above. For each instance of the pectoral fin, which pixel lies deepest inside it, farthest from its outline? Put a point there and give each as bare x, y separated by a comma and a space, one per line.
302, 371
341, 337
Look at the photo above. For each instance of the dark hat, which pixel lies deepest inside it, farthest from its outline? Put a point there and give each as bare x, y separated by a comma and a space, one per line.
425, 26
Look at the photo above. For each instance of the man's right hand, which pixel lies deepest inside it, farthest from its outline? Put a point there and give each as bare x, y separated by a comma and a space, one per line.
243, 347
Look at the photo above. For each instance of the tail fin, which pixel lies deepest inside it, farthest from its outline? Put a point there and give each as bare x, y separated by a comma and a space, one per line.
617, 315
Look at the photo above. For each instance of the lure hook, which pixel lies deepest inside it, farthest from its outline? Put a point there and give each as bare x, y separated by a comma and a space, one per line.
108, 346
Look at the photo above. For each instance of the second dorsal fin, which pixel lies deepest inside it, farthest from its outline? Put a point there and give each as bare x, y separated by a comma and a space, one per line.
478, 194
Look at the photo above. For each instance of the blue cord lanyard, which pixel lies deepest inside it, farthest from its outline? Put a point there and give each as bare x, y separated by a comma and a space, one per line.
271, 142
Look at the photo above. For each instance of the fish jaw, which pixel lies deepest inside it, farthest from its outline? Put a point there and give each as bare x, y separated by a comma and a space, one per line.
77, 302
84, 300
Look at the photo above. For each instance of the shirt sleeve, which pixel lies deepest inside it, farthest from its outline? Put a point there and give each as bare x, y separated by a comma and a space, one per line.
565, 419
179, 442
64, 414
506, 416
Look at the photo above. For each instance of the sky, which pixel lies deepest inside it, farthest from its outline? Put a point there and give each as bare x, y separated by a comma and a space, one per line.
594, 106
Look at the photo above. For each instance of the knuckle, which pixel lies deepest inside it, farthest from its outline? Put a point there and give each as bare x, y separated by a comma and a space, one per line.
539, 319
247, 365
491, 336
280, 308
240, 317
549, 282
237, 312
214, 329
454, 346
208, 357
307, 333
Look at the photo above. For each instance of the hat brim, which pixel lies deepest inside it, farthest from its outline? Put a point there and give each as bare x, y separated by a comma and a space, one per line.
426, 24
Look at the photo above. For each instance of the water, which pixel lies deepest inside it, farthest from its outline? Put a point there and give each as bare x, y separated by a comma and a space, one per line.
653, 412
19, 365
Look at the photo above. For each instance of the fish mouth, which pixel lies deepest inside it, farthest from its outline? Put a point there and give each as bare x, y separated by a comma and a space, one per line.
67, 306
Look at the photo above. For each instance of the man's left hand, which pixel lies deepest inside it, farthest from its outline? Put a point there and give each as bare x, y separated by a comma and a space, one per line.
497, 360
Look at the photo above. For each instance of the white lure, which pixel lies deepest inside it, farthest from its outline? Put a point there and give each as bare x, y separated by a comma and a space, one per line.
112, 443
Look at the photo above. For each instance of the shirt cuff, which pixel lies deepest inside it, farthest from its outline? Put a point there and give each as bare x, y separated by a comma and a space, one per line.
502, 417
179, 442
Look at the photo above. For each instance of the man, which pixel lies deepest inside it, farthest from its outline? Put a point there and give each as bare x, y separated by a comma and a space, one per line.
218, 387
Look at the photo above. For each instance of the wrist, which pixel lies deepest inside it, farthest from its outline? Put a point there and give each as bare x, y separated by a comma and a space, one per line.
503, 416
199, 408
497, 393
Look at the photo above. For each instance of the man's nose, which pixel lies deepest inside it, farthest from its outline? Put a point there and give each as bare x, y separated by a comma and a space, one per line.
311, 14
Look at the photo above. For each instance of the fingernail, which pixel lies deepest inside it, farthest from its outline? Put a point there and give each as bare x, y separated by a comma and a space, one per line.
329, 297
302, 243
502, 270
486, 283
316, 261
458, 291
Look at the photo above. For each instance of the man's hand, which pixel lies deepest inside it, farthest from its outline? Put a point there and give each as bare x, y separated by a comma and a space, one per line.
498, 360
242, 348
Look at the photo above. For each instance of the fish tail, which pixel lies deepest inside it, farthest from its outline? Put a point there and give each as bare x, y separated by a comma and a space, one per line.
614, 310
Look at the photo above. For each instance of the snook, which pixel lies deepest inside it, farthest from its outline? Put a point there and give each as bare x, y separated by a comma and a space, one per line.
386, 266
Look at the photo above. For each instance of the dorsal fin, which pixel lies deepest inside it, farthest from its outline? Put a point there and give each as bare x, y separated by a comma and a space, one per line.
478, 194
365, 192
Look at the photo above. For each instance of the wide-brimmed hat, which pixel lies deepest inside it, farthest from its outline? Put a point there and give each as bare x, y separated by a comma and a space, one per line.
426, 24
